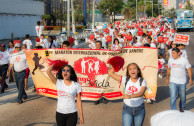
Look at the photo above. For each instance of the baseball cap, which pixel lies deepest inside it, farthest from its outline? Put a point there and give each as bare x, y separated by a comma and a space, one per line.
17, 45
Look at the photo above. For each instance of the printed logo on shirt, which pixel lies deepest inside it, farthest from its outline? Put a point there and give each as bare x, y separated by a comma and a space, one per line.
132, 90
63, 93
18, 58
1, 56
176, 65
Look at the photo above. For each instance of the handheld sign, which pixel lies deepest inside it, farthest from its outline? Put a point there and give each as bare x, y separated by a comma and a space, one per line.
181, 39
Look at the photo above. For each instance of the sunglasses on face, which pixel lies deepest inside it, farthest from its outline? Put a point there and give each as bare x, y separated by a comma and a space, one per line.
63, 70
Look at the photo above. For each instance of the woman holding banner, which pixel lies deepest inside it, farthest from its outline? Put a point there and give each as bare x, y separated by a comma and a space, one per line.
134, 88
67, 89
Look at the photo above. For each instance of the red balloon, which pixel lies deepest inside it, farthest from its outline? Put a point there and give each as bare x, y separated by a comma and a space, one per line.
37, 39
129, 37
118, 23
172, 30
160, 39
108, 38
128, 27
91, 37
150, 33
136, 25
140, 32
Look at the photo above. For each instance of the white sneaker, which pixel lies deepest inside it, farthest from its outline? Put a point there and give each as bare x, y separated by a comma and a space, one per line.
148, 101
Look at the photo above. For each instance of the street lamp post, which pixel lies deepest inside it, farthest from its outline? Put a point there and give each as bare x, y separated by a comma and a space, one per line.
136, 9
68, 18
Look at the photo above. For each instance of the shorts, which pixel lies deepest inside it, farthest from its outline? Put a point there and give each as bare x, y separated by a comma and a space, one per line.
27, 72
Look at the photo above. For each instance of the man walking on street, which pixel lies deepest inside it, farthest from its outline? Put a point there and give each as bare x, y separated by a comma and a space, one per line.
177, 66
18, 60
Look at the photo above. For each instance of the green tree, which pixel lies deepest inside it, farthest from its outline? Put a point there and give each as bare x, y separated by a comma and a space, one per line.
188, 5
107, 7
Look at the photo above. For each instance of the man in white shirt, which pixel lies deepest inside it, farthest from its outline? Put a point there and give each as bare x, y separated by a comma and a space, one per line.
40, 28
28, 42
42, 42
177, 66
18, 60
135, 43
4, 61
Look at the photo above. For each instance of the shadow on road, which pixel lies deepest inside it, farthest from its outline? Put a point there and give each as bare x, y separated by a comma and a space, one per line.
14, 100
162, 93
42, 123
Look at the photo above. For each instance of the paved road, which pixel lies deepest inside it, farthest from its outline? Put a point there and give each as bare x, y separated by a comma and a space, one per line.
40, 110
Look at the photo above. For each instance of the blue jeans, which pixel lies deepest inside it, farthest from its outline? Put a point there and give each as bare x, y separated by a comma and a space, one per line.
180, 90
19, 77
161, 51
134, 115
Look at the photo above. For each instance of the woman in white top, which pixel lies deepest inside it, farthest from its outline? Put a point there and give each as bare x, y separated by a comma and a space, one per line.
11, 48
50, 43
67, 90
116, 45
135, 86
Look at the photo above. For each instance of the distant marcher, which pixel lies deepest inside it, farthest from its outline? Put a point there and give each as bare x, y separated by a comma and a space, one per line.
65, 45
4, 62
28, 42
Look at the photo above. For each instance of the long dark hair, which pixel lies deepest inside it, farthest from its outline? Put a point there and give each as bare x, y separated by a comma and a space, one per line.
12, 43
51, 41
115, 40
73, 76
127, 73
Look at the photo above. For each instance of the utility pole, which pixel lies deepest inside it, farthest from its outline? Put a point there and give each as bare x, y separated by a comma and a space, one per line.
152, 8
68, 18
73, 18
145, 9
93, 15
136, 9
60, 16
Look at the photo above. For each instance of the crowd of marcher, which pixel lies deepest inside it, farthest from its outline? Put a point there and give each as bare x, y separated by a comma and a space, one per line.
143, 33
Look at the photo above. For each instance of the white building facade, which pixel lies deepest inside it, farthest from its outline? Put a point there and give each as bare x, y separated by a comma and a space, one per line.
19, 17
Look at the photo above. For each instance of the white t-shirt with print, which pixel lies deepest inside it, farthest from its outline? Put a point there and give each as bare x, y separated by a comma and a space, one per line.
133, 88
19, 61
116, 47
4, 57
11, 50
28, 43
39, 30
43, 42
137, 44
66, 96
183, 53
178, 70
